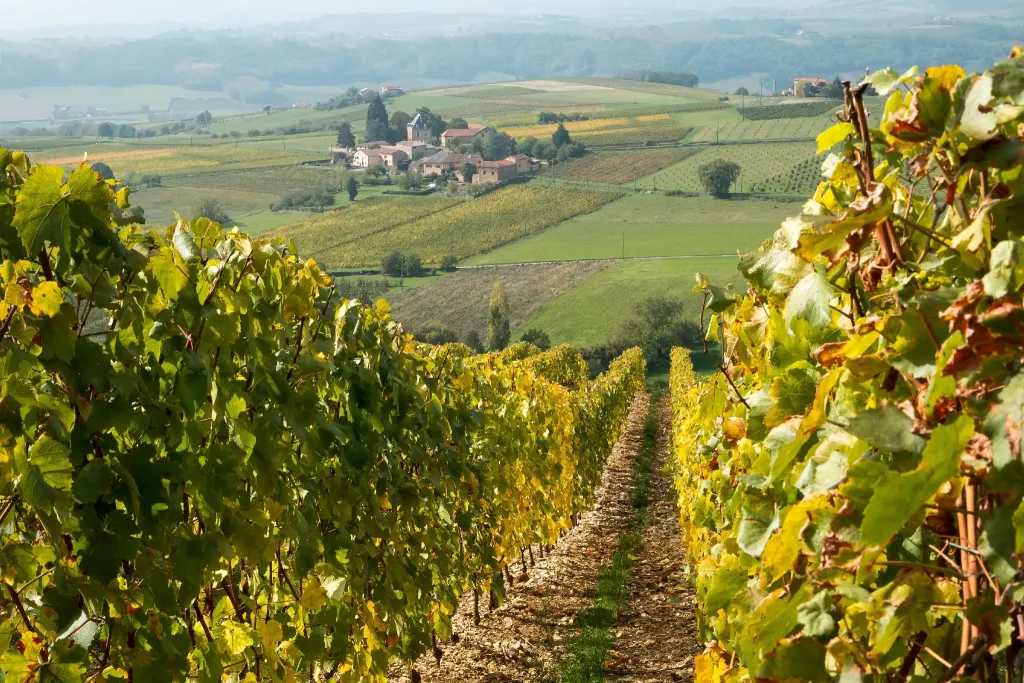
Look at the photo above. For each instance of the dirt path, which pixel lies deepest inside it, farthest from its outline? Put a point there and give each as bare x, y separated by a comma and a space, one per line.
656, 638
522, 640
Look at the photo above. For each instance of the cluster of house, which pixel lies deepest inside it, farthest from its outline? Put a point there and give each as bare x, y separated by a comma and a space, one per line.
427, 159
813, 80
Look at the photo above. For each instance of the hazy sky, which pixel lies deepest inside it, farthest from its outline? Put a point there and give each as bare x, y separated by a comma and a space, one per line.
26, 15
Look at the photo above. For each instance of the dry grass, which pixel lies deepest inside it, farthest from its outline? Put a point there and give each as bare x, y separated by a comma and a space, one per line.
621, 167
460, 300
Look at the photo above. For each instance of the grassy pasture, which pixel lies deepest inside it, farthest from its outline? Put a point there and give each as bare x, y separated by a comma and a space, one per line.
160, 203
591, 312
641, 226
178, 160
758, 162
610, 131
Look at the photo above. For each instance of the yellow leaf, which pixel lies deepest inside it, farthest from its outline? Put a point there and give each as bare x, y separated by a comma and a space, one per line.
947, 75
834, 135
313, 596
783, 548
46, 299
270, 633
236, 637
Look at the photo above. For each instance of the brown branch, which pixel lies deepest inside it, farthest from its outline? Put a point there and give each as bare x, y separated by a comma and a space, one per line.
44, 261
20, 607
908, 662
6, 325
714, 360
951, 672
202, 621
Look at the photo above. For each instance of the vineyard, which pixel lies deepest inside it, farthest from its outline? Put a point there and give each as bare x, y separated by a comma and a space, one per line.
216, 467
436, 227
791, 111
850, 481
184, 160
610, 131
758, 163
767, 129
618, 167
802, 179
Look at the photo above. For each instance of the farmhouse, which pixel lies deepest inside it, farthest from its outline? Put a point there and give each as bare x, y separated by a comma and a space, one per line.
417, 149
365, 158
392, 156
524, 164
445, 161
391, 90
458, 136
495, 171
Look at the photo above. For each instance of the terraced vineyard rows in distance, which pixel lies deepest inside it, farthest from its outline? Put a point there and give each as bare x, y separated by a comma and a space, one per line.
757, 162
342, 238
768, 129
618, 167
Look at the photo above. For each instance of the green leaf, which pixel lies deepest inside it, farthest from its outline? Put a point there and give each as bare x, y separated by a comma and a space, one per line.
887, 429
755, 530
810, 300
42, 210
822, 474
171, 274
899, 496
979, 120
726, 584
885, 80
831, 137
92, 482
1006, 270
47, 473
185, 242
1005, 422
815, 617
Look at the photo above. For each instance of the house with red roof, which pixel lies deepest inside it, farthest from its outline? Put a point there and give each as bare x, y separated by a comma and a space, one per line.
495, 172
453, 137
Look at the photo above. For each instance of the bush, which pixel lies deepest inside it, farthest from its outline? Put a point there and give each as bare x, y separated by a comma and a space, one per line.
538, 338
718, 176
449, 263
472, 340
658, 323
436, 333
398, 264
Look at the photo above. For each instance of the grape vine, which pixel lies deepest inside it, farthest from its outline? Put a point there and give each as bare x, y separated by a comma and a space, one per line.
850, 483
214, 468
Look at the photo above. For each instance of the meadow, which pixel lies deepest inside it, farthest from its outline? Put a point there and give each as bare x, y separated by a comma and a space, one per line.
757, 162
178, 160
590, 313
644, 226
618, 167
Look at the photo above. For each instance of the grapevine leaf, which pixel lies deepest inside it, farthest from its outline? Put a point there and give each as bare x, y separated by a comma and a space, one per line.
1006, 270
185, 242
997, 543
42, 210
169, 273
210, 668
92, 482
1005, 422
792, 392
87, 188
822, 474
889, 429
48, 473
796, 659
47, 298
979, 119
81, 631
885, 80
815, 617
831, 137
236, 637
810, 300
899, 496
755, 530
725, 585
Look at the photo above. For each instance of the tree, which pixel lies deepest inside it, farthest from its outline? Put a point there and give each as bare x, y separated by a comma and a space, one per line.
436, 333
529, 146
560, 136
742, 91
376, 119
399, 264
468, 171
105, 130
352, 187
209, 207
345, 137
458, 123
434, 122
833, 90
472, 340
400, 120
497, 145
718, 176
267, 110
377, 171
498, 331
204, 118
658, 323
103, 170
538, 338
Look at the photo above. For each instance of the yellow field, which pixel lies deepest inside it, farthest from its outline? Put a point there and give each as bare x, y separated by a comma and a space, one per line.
610, 131
180, 159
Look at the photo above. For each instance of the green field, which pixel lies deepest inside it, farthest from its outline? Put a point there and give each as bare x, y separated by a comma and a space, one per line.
160, 203
641, 226
766, 129
590, 313
758, 163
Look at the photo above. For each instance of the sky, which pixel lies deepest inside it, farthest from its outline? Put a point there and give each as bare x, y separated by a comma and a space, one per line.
24, 16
